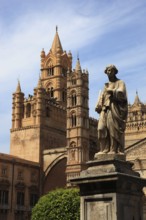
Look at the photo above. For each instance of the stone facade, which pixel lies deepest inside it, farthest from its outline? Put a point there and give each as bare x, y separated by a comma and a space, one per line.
135, 139
136, 122
19, 187
54, 122
52, 130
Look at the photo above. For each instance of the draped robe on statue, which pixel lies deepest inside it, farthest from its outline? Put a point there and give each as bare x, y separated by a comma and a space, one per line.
113, 114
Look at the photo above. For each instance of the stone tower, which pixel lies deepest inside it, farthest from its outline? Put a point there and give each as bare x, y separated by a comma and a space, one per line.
39, 121
27, 118
136, 122
54, 68
77, 121
52, 126
17, 107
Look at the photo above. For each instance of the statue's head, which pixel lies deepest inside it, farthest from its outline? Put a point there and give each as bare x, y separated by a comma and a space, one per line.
111, 68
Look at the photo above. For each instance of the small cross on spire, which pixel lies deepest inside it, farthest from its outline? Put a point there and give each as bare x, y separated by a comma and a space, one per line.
56, 28
77, 55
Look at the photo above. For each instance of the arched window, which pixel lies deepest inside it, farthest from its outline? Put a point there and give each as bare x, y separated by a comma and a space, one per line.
73, 120
63, 95
73, 99
28, 110
73, 81
33, 198
51, 92
4, 195
50, 69
20, 198
73, 144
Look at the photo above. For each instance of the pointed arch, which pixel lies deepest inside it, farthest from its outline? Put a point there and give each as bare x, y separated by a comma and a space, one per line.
48, 84
28, 110
50, 89
73, 119
73, 144
50, 67
50, 60
73, 97
73, 80
56, 170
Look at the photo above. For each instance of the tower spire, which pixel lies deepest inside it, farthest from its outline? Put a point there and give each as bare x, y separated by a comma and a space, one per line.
39, 83
18, 89
78, 66
137, 99
56, 43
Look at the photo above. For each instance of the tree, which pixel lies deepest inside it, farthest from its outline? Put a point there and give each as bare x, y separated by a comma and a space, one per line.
60, 204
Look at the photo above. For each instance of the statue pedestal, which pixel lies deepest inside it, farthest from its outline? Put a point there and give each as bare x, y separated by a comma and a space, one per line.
110, 189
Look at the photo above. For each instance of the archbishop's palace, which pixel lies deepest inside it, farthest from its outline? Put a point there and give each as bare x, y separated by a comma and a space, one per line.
53, 136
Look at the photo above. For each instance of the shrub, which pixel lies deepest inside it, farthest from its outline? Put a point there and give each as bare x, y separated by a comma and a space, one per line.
60, 204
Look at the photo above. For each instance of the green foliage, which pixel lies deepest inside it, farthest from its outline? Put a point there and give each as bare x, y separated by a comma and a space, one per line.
60, 204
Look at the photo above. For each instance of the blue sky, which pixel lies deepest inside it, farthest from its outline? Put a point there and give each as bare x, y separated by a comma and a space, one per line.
101, 32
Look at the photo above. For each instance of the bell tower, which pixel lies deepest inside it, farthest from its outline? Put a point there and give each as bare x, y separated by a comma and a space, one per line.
54, 68
77, 121
39, 120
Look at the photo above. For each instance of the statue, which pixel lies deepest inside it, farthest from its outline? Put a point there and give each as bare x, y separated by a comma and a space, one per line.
113, 108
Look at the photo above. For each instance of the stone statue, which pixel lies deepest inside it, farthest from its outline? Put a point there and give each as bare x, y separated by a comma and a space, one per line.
113, 108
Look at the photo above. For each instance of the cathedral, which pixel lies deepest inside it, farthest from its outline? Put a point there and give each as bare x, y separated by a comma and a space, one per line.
52, 135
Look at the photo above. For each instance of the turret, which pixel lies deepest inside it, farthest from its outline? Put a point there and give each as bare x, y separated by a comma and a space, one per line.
78, 66
70, 58
58, 55
137, 100
42, 57
17, 107
40, 102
